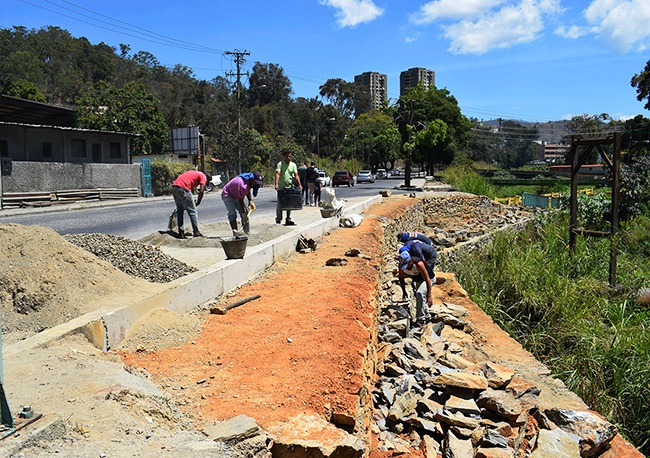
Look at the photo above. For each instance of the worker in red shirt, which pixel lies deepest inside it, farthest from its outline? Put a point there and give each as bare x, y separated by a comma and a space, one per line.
182, 192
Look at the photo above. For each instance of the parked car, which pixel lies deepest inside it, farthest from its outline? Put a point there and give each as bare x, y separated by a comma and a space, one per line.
365, 176
343, 177
324, 178
394, 172
381, 173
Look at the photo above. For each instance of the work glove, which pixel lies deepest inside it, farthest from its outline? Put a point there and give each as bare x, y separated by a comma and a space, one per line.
251, 207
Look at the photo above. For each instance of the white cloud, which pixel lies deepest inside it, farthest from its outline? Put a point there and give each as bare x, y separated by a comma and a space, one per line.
354, 12
452, 9
506, 27
623, 24
571, 32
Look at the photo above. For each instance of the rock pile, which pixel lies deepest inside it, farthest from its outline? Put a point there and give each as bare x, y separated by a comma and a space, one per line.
436, 389
439, 392
452, 221
132, 258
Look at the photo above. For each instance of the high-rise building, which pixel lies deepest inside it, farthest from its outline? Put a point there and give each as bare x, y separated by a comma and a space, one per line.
378, 86
412, 76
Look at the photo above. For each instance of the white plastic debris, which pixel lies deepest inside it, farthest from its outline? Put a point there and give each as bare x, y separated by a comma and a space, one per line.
350, 220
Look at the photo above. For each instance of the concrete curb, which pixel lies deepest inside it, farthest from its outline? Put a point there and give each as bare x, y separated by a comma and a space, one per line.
106, 328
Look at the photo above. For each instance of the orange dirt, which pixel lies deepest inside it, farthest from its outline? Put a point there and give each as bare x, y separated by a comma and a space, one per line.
297, 349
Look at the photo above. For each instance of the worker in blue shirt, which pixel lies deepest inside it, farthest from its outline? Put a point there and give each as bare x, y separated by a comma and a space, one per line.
417, 260
404, 237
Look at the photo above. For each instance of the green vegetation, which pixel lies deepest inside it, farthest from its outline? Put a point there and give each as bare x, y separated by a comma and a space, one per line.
560, 307
164, 173
246, 124
464, 179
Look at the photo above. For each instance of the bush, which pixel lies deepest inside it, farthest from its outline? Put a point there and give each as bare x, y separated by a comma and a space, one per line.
164, 173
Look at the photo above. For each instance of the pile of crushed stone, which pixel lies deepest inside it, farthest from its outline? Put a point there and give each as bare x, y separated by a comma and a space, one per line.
46, 281
132, 258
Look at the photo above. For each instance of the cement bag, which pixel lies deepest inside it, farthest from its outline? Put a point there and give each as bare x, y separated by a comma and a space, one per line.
328, 197
350, 220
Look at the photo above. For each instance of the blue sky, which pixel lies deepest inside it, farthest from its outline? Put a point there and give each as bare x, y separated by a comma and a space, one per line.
534, 60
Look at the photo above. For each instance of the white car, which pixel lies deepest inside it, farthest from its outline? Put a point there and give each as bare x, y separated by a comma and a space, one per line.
365, 176
381, 173
324, 178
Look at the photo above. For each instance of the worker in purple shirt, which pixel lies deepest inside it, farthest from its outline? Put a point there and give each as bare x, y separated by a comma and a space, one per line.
233, 195
417, 260
404, 237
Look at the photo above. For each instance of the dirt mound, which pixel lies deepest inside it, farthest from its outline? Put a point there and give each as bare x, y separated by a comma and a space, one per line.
46, 281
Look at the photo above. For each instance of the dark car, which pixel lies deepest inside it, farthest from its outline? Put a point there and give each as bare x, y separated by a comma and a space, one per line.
343, 177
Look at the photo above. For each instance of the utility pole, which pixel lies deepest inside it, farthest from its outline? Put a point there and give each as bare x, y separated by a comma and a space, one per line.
239, 61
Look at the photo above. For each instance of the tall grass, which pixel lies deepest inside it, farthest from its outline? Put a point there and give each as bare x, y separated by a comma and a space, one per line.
560, 307
465, 179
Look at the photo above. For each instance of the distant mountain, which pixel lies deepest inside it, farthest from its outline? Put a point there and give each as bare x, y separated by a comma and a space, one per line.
549, 132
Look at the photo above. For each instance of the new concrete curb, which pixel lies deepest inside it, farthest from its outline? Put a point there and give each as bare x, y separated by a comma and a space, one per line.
106, 328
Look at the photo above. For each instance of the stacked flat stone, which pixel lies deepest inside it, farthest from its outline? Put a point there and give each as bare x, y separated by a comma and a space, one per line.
438, 391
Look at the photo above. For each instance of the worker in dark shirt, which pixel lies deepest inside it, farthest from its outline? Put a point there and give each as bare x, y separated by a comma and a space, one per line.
417, 260
404, 237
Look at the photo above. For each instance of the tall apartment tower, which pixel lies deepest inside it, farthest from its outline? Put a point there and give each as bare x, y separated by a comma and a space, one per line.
378, 85
412, 76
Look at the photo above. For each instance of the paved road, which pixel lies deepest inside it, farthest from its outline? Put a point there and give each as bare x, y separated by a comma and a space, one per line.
136, 218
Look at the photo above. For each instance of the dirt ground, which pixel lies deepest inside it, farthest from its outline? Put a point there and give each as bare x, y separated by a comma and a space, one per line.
308, 318
294, 351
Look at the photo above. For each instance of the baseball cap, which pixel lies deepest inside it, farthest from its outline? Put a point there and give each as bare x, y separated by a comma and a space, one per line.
259, 179
404, 258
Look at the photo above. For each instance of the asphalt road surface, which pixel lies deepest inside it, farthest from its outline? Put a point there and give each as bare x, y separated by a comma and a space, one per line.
135, 220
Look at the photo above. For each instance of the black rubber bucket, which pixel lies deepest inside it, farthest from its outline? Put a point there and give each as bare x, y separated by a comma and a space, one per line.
291, 199
234, 247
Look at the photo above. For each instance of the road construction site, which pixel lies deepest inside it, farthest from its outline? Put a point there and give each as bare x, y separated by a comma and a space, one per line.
281, 353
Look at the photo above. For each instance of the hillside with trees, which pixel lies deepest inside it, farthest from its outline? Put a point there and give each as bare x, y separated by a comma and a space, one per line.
116, 88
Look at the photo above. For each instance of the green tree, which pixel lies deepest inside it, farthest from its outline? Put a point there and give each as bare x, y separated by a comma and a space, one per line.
414, 113
635, 139
373, 140
131, 109
484, 143
350, 99
24, 90
518, 145
641, 82
268, 84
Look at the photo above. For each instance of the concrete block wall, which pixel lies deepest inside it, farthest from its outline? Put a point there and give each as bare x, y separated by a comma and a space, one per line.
57, 176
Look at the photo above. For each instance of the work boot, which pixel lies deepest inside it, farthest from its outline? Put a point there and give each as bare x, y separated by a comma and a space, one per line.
233, 226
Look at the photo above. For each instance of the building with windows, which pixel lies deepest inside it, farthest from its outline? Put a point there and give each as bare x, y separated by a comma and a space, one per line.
553, 152
33, 131
412, 77
377, 84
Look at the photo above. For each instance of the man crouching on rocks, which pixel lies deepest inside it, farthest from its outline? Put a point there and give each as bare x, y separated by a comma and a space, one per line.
417, 260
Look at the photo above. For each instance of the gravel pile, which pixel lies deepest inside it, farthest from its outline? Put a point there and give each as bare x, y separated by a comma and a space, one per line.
132, 258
